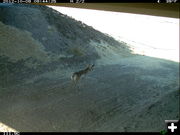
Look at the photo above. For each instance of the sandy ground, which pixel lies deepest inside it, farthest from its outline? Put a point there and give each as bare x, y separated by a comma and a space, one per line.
137, 94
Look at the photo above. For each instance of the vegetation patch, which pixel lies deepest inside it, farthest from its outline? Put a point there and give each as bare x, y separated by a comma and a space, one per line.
76, 51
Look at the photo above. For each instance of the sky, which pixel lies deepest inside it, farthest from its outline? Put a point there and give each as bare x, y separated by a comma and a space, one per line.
149, 35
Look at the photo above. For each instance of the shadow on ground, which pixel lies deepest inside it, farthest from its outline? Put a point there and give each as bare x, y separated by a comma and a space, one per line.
117, 97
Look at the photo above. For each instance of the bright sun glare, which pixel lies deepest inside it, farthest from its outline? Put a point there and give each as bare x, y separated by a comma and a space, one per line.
148, 35
6, 128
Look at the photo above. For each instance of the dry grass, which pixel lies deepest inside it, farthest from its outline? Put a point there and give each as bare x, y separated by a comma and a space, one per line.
18, 44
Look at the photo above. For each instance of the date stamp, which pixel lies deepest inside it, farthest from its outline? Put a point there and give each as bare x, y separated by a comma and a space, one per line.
29, 1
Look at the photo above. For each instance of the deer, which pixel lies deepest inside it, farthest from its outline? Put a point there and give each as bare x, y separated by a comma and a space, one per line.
77, 75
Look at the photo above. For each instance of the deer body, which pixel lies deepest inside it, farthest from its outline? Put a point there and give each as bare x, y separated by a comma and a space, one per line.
77, 75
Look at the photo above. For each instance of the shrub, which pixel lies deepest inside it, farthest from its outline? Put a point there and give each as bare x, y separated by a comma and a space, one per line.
76, 51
